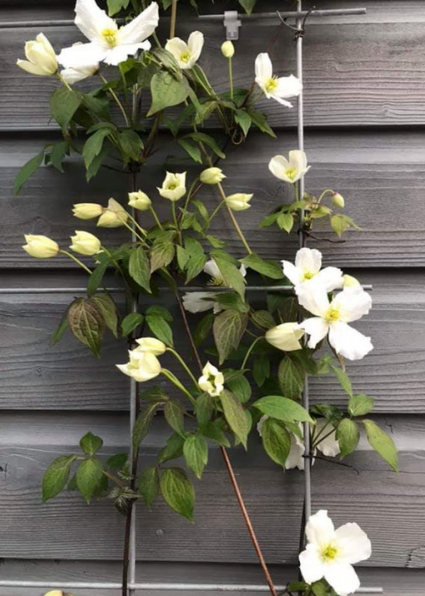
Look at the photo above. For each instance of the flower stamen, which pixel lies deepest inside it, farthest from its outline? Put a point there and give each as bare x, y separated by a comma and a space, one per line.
110, 36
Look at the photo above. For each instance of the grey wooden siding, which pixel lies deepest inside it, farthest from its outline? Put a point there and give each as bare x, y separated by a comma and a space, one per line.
365, 116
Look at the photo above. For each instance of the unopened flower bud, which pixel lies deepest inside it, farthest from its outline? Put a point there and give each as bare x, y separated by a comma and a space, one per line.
40, 247
212, 176
85, 243
338, 200
139, 200
285, 337
87, 210
152, 345
55, 593
114, 216
41, 57
228, 49
239, 201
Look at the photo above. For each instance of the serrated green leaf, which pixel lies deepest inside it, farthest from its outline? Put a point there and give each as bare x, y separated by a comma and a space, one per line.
291, 377
28, 170
240, 387
90, 444
89, 475
130, 323
109, 311
94, 145
64, 103
139, 268
143, 422
285, 221
360, 405
343, 379
160, 328
178, 492
162, 253
348, 436
172, 449
231, 274
56, 476
167, 91
204, 408
235, 416
174, 415
282, 408
382, 443
228, 330
87, 323
276, 441
149, 485
195, 451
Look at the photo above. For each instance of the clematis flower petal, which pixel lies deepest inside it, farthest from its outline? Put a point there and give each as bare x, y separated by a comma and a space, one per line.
81, 54
195, 43
92, 20
329, 446
309, 260
313, 297
311, 564
349, 342
263, 68
356, 545
141, 27
320, 529
291, 272
195, 302
120, 53
331, 277
342, 577
298, 160
288, 86
353, 303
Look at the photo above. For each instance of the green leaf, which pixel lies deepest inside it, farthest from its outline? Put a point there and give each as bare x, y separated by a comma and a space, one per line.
143, 422
130, 323
240, 387
203, 329
109, 311
160, 328
192, 150
261, 369
343, 379
341, 223
28, 170
90, 444
348, 436
56, 476
282, 408
167, 91
64, 103
204, 408
149, 485
95, 165
131, 145
248, 5
263, 319
202, 137
58, 154
195, 451
235, 416
87, 323
162, 253
60, 329
117, 461
178, 491
228, 330
360, 405
244, 120
174, 415
196, 258
172, 449
139, 268
96, 278
285, 221
115, 6
265, 267
93, 146
276, 441
231, 275
260, 122
231, 301
291, 377
382, 443
89, 475
215, 431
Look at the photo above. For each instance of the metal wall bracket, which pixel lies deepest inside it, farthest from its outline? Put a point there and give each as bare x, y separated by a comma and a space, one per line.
232, 24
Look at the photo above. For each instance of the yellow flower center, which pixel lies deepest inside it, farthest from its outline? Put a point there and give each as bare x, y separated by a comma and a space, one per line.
332, 314
291, 173
185, 57
329, 553
271, 85
172, 186
308, 275
110, 36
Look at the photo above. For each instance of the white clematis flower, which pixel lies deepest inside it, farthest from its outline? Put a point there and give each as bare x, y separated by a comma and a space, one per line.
41, 57
331, 553
308, 266
332, 317
186, 54
289, 170
278, 88
108, 42
212, 380
173, 187
142, 366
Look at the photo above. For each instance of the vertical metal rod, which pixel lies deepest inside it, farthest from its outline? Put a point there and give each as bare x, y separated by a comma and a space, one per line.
306, 400
132, 546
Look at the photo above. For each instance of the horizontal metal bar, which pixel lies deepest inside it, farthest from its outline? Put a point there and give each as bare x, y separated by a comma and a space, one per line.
207, 17
9, 291
158, 587
290, 14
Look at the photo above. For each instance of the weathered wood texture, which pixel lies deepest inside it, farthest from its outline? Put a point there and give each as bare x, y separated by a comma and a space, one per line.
381, 175
35, 375
395, 582
64, 528
371, 74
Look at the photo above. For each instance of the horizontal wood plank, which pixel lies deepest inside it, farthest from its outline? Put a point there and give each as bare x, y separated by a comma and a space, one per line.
383, 85
66, 376
393, 581
381, 176
367, 493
